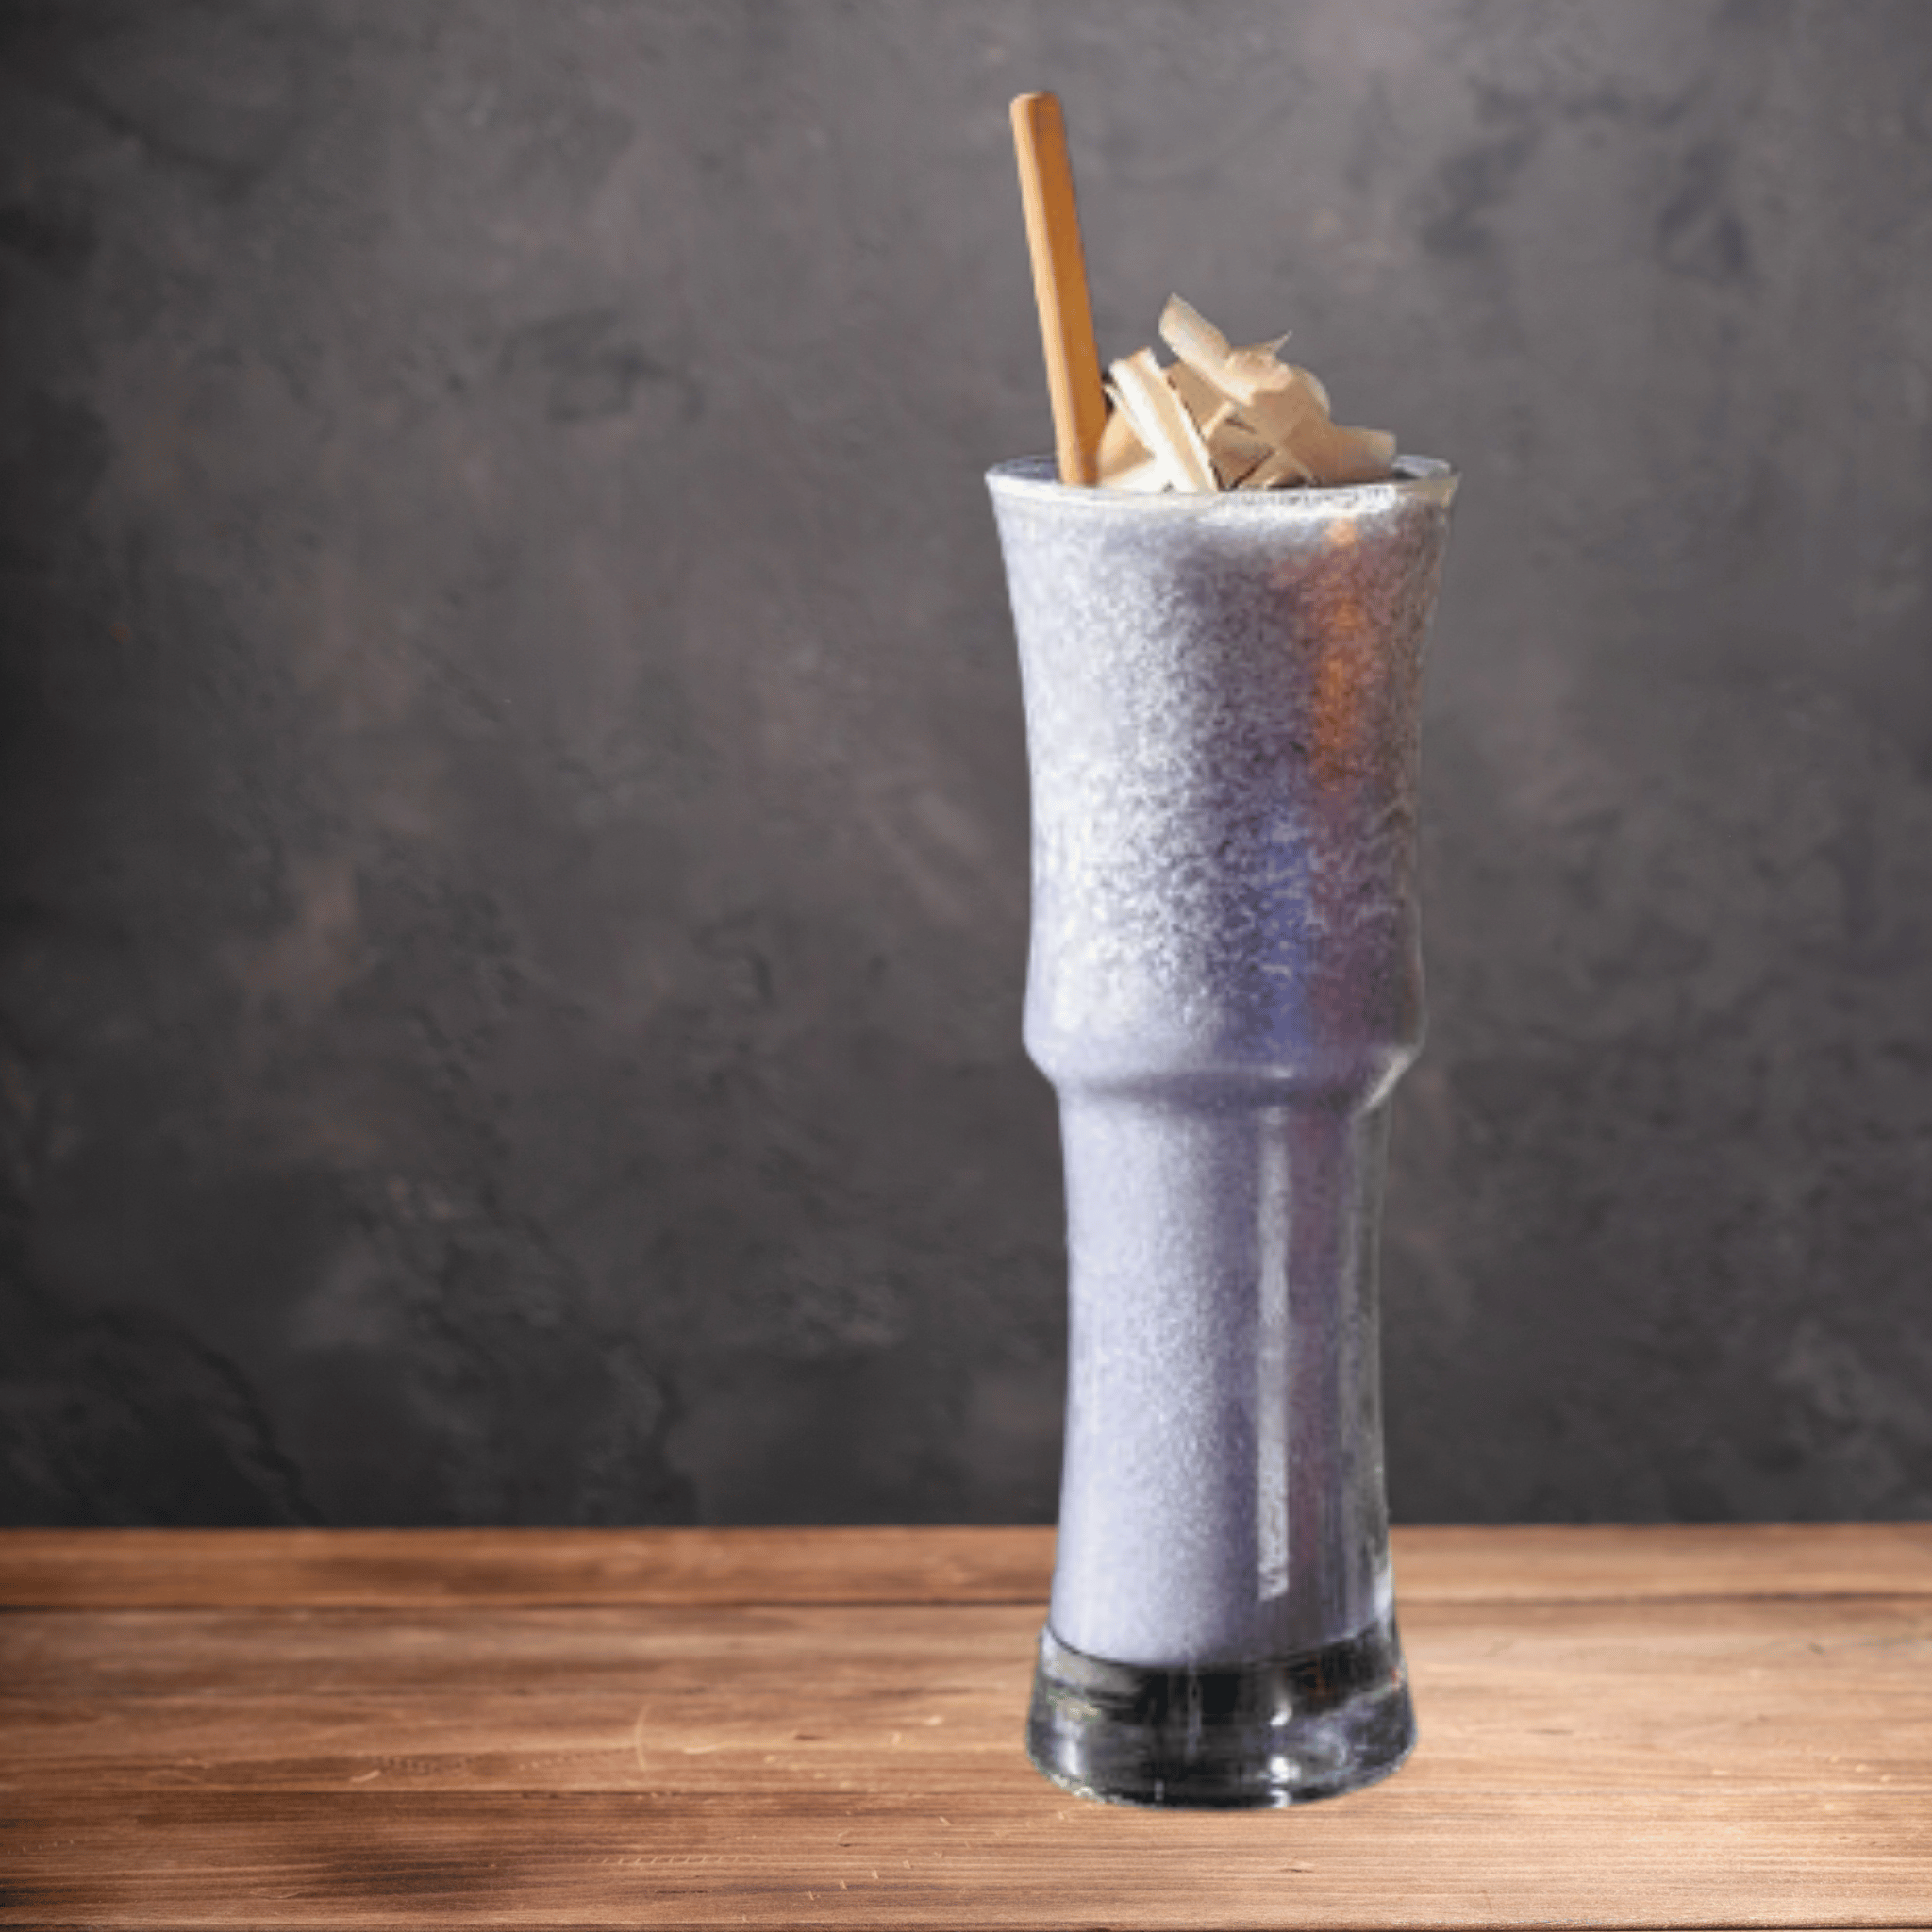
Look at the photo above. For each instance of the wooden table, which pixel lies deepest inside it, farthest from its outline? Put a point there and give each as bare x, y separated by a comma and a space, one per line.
1688, 1727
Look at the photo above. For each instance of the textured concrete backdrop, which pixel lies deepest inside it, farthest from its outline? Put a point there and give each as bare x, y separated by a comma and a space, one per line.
515, 818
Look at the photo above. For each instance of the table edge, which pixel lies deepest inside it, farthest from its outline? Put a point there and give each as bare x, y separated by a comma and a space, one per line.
379, 1568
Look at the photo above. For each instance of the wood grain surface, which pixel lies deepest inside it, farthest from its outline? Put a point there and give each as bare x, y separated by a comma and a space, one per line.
381, 1569
1627, 1728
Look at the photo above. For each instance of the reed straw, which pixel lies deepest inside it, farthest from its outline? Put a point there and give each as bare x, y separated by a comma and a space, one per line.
1060, 285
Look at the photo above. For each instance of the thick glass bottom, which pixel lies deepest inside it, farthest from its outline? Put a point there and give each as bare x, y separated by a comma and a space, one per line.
1223, 1738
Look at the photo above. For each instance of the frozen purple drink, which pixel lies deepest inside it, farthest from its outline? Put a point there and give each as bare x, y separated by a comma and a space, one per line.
1221, 699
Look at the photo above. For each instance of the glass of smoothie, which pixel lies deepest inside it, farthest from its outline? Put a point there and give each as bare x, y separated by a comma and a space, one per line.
1222, 697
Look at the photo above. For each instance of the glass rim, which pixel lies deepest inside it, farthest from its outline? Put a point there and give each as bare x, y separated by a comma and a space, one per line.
1410, 477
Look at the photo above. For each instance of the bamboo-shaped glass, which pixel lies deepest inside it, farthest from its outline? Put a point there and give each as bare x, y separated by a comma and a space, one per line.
1222, 702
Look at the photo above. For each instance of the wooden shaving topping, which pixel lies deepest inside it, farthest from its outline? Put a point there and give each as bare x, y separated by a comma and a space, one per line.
1222, 418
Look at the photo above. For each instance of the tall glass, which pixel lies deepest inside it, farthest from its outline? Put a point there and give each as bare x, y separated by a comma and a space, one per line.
1223, 716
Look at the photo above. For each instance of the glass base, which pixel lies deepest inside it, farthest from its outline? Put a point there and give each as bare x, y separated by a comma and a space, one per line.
1226, 1737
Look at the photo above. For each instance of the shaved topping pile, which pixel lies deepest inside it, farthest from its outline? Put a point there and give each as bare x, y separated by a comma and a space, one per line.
1222, 418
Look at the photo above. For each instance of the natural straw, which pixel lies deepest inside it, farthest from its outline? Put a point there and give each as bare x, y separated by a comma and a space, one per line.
1059, 284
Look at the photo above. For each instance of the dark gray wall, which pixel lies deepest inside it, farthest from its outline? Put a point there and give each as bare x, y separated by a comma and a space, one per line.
515, 805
